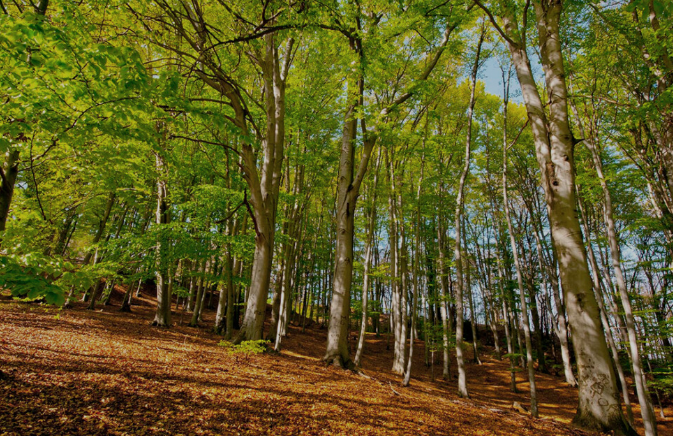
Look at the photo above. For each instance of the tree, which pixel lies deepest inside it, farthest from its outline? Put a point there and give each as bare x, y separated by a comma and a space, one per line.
554, 144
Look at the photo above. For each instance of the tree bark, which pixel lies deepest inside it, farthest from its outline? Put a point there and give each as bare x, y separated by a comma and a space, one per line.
162, 317
598, 407
417, 255
646, 409
264, 191
371, 230
460, 285
604, 319
522, 295
347, 193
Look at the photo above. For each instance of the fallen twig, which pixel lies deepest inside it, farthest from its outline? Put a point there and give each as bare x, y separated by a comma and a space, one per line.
393, 389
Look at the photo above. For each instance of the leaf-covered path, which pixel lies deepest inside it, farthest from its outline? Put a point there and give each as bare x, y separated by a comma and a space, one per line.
105, 372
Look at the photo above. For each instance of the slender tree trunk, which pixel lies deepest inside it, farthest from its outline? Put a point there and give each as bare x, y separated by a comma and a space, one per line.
226, 289
417, 255
446, 322
522, 295
194, 322
162, 317
265, 190
460, 285
604, 319
371, 231
402, 317
348, 188
395, 282
510, 348
470, 300
646, 409
101, 226
560, 327
535, 316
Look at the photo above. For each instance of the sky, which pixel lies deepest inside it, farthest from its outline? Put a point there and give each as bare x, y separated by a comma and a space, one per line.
491, 75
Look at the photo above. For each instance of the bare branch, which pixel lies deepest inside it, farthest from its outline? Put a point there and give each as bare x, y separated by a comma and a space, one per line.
496, 25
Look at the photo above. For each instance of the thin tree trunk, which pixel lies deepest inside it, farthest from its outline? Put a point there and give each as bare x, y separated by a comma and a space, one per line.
470, 300
597, 286
460, 285
522, 294
367, 264
417, 255
443, 281
646, 409
162, 317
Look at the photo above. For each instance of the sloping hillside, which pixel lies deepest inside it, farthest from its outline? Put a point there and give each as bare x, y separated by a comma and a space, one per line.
105, 372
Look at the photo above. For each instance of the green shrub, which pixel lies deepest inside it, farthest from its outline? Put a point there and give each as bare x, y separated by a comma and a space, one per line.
245, 349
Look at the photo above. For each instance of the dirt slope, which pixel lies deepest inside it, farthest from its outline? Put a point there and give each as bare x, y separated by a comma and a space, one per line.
105, 372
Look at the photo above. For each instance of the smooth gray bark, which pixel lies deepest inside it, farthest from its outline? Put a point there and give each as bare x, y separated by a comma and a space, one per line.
598, 407
371, 230
162, 317
458, 218
525, 324
646, 409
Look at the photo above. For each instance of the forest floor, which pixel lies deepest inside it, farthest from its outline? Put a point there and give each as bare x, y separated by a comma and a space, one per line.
105, 372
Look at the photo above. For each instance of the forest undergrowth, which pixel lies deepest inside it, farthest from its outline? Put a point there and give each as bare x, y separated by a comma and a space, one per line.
105, 372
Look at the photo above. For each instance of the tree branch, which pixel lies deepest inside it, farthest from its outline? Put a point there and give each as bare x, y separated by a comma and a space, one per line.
426, 73
496, 25
205, 142
511, 144
232, 212
252, 214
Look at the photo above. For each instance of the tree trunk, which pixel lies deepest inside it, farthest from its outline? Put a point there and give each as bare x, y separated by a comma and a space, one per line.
646, 409
417, 255
162, 317
470, 301
522, 295
443, 281
101, 226
348, 188
402, 317
460, 285
226, 290
264, 192
560, 328
371, 230
337, 334
599, 407
10, 170
604, 319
